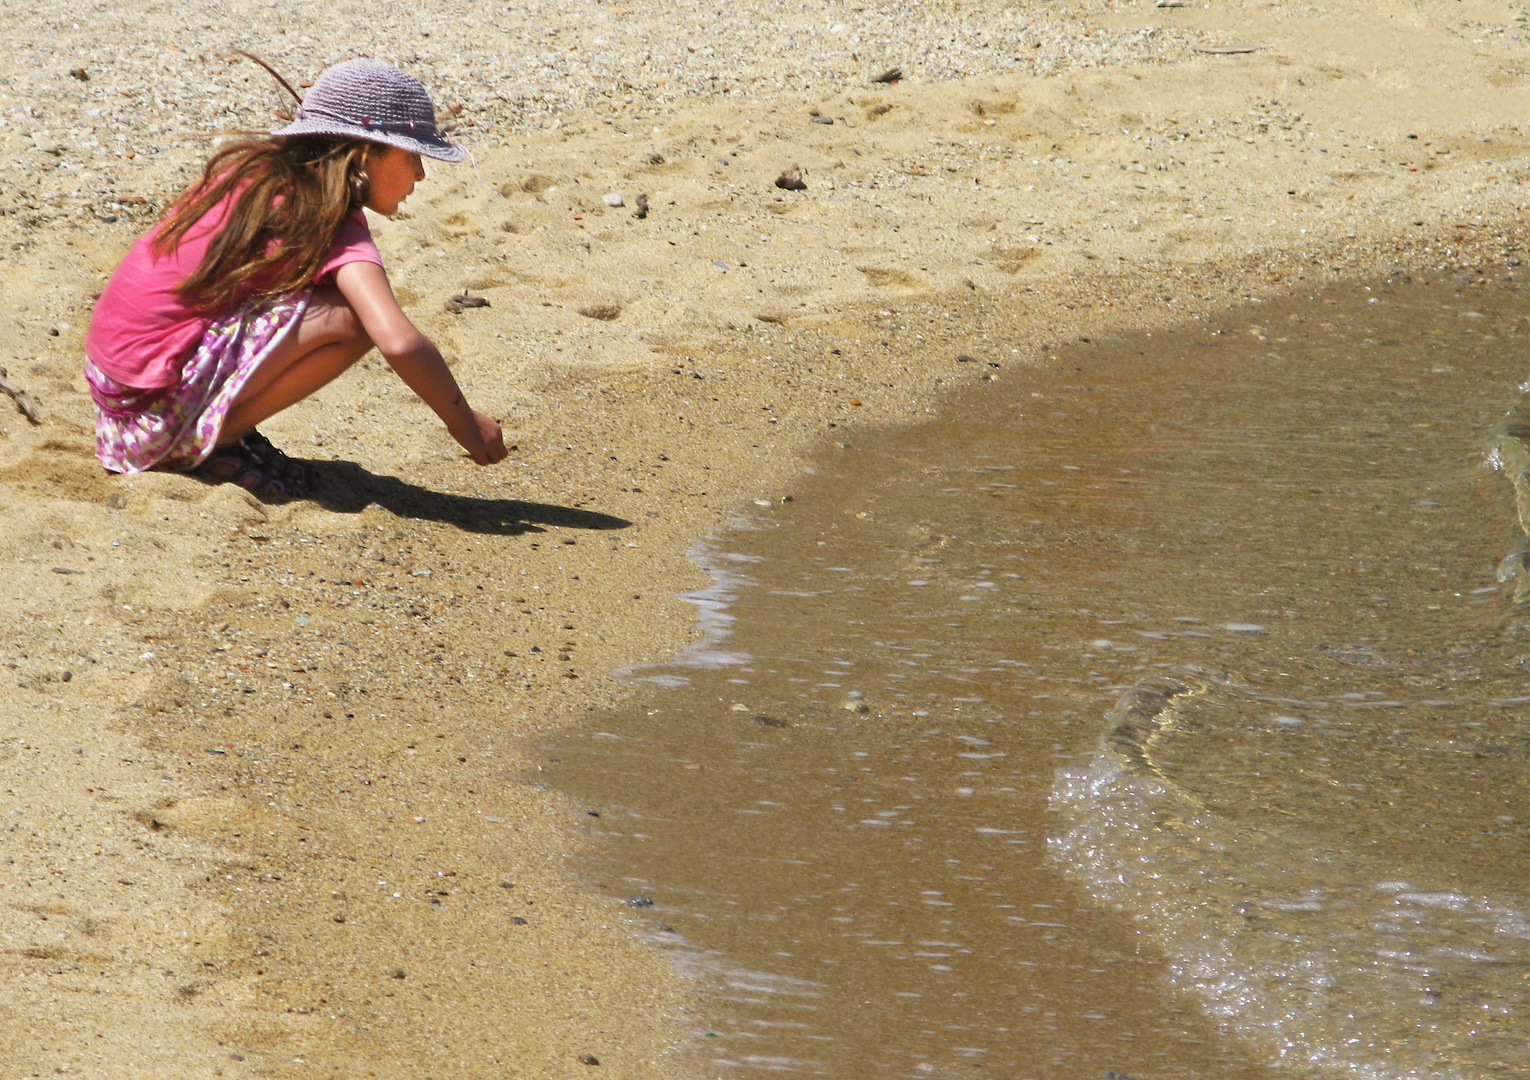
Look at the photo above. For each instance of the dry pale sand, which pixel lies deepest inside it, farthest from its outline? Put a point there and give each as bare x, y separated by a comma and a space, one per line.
271, 800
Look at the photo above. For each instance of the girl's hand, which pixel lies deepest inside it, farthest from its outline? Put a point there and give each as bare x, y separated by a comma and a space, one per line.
485, 442
417, 361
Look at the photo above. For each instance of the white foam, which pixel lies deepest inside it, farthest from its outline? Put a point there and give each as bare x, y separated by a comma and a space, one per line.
1315, 957
713, 619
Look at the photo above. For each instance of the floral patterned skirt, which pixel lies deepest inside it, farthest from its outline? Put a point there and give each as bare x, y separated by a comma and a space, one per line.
177, 428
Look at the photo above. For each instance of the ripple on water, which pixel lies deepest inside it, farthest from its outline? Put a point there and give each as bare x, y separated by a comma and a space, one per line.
1317, 950
1194, 749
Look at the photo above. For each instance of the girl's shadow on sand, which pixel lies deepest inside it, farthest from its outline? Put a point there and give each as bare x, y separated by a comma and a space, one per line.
350, 489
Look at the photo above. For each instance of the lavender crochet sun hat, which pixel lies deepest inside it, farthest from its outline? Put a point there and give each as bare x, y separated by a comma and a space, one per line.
368, 99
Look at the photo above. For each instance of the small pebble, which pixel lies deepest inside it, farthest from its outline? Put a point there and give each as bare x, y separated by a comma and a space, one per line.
518, 920
589, 1059
791, 180
613, 199
822, 119
462, 301
639, 901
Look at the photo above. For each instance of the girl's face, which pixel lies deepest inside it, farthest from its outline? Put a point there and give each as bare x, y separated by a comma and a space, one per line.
394, 173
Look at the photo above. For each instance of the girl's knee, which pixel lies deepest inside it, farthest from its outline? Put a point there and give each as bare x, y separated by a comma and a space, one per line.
352, 332
337, 322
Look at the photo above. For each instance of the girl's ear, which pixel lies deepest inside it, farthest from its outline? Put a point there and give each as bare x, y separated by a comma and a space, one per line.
360, 182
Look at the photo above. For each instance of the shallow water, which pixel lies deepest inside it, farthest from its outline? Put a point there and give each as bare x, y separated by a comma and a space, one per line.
1158, 714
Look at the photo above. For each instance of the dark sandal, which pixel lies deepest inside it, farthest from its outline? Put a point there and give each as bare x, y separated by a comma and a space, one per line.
289, 468
237, 464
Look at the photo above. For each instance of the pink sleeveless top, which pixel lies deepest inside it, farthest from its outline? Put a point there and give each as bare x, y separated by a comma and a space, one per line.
142, 333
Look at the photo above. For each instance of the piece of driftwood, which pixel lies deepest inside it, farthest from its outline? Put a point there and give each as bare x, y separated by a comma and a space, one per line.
24, 401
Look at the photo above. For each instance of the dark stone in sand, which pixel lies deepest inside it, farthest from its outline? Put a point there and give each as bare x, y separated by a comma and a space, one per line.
461, 302
791, 180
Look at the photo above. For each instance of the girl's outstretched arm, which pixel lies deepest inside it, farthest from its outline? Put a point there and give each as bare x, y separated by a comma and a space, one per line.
417, 361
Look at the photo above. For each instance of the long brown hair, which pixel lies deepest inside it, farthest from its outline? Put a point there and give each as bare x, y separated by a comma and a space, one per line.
289, 198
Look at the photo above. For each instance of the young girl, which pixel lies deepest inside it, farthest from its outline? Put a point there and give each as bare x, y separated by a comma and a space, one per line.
262, 284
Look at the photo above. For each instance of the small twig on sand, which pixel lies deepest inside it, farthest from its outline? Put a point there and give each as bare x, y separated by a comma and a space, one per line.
24, 401
274, 74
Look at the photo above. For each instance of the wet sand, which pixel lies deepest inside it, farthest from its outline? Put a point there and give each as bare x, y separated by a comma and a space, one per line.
1157, 713
172, 884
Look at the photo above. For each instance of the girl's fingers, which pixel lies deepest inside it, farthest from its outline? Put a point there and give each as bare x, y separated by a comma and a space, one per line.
493, 439
490, 448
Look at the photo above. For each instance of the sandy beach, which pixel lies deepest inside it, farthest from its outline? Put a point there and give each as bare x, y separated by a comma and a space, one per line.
269, 807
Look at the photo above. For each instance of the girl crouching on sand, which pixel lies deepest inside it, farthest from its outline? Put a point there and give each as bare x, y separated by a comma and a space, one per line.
262, 284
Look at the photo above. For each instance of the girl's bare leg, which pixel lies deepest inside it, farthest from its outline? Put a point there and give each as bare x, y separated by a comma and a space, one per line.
328, 340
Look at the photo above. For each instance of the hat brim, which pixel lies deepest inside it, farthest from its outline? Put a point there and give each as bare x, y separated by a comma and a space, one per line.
431, 146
